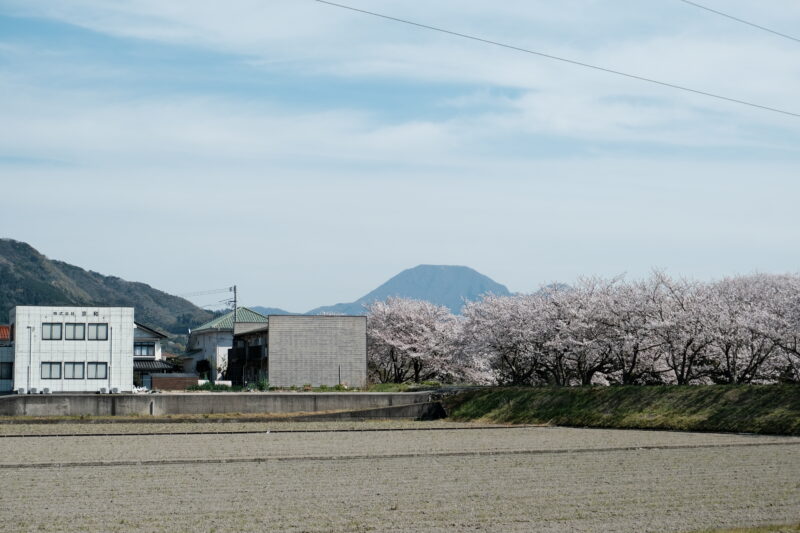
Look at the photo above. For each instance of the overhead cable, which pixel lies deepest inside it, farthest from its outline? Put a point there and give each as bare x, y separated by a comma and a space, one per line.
737, 19
563, 59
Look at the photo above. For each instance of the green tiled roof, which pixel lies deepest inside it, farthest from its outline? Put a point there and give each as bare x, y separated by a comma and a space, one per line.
243, 314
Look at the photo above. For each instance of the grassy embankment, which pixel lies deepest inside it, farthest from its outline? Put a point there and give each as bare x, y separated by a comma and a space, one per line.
768, 409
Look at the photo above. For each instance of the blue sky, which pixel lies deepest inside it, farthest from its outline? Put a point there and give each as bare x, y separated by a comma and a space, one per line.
308, 153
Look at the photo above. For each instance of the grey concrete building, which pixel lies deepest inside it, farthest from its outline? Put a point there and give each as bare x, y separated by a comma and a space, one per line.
295, 350
320, 350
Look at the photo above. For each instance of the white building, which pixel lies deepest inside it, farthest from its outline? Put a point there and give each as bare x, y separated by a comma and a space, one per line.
147, 356
211, 341
69, 349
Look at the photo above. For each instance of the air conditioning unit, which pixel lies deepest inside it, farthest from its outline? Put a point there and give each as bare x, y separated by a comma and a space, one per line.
46, 390
103, 390
21, 390
33, 391
115, 390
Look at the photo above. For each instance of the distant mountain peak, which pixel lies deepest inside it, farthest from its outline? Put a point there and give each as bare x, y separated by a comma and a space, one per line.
447, 285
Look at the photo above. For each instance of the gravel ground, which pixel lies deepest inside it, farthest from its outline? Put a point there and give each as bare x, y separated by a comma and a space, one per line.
515, 480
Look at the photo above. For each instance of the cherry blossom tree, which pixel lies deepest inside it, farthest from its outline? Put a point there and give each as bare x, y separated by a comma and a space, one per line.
626, 311
737, 319
677, 317
510, 334
412, 340
743, 329
582, 339
780, 321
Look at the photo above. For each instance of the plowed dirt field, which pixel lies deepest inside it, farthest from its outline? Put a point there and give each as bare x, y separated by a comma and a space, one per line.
392, 477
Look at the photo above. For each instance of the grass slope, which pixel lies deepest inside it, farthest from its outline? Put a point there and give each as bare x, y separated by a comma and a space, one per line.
769, 409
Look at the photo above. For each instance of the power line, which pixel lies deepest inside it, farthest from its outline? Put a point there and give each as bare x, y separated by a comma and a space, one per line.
216, 304
562, 59
203, 293
737, 19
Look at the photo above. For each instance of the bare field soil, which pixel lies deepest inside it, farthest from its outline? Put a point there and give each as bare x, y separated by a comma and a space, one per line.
516, 479
200, 426
299, 444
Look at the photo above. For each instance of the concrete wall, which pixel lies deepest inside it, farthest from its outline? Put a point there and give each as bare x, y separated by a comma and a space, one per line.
317, 350
31, 349
164, 404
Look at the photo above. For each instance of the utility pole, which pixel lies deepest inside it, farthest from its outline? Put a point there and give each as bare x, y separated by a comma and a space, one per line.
235, 348
30, 356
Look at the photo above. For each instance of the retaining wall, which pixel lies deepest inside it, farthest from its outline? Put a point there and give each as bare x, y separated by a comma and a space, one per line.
173, 404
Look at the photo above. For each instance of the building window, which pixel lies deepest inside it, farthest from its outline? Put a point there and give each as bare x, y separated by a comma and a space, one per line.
74, 332
97, 370
98, 332
73, 370
6, 370
51, 331
144, 349
51, 370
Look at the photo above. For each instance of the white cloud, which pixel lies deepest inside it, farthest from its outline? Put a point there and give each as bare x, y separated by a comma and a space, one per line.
343, 189
687, 47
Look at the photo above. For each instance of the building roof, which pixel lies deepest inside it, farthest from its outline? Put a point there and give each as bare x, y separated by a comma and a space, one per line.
150, 330
225, 322
5, 333
161, 366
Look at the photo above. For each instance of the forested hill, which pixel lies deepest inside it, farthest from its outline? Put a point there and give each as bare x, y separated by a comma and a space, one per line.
443, 285
29, 278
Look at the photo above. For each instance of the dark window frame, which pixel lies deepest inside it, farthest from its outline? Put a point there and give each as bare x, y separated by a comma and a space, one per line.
96, 327
74, 365
73, 324
150, 345
50, 365
10, 367
49, 336
97, 365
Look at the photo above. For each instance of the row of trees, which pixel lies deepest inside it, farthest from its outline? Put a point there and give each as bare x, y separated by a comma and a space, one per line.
598, 331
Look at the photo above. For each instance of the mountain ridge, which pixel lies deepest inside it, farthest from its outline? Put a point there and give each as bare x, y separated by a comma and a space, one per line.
446, 285
27, 277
